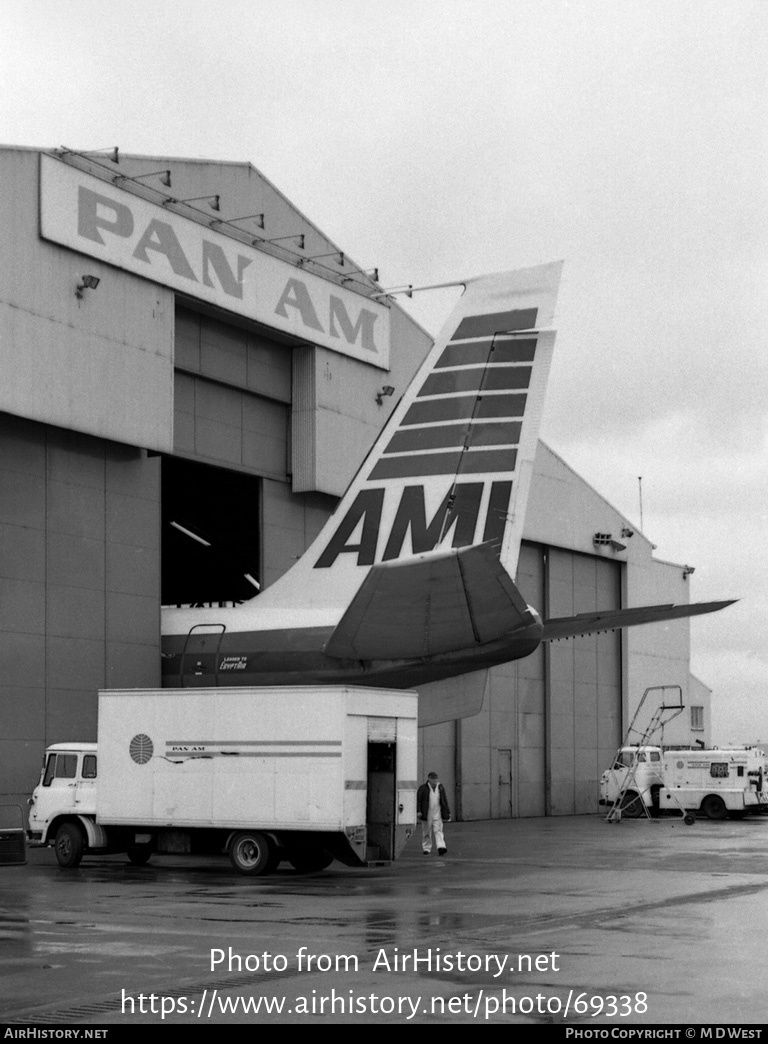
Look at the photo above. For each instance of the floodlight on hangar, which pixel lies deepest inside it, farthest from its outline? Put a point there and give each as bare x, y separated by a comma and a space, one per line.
258, 218
87, 282
298, 237
213, 201
606, 540
372, 273
112, 152
338, 254
164, 175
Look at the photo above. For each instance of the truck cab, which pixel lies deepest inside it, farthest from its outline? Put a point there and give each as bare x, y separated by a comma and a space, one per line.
63, 804
638, 772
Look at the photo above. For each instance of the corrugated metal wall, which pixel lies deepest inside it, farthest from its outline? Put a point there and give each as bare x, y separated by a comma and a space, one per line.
549, 722
584, 681
233, 408
80, 578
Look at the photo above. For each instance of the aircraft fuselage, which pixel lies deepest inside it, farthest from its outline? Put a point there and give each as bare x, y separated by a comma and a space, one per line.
295, 657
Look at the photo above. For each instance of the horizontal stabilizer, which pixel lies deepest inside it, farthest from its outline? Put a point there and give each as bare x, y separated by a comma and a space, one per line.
610, 619
433, 603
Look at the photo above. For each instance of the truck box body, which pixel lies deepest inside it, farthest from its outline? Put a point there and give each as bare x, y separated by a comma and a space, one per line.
710, 779
336, 764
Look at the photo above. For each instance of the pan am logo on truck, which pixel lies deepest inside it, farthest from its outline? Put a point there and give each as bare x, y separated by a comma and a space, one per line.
141, 748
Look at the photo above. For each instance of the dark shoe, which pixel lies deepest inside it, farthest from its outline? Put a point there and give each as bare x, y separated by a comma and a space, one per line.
425, 853
442, 851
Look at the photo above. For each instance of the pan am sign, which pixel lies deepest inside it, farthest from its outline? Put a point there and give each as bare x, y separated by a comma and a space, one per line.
96, 218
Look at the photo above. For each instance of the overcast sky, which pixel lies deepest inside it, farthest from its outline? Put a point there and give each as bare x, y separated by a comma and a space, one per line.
438, 139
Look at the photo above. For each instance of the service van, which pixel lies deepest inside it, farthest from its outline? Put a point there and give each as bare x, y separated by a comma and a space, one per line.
716, 783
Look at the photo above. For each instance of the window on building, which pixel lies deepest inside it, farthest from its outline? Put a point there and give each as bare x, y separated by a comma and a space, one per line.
210, 534
697, 719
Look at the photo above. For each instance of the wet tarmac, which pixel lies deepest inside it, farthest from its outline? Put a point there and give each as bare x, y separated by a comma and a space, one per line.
567, 921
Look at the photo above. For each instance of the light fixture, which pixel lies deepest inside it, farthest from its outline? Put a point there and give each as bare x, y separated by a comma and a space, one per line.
299, 240
112, 151
372, 273
606, 540
87, 282
627, 533
688, 571
213, 201
164, 175
409, 289
258, 218
188, 533
386, 391
333, 253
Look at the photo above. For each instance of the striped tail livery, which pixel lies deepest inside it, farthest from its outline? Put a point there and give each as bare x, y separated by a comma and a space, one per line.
411, 579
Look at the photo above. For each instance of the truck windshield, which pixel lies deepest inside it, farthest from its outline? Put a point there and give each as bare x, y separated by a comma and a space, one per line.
60, 766
624, 759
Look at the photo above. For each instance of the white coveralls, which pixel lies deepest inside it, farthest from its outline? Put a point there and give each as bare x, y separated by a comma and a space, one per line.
433, 823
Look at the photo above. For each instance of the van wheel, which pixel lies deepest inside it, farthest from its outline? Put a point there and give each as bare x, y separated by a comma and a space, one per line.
713, 807
631, 805
139, 855
251, 852
69, 846
308, 860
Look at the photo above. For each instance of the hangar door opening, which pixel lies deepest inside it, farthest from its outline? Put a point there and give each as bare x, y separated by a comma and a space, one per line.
210, 534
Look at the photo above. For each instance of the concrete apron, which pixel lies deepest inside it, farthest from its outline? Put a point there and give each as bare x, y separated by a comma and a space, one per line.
564, 921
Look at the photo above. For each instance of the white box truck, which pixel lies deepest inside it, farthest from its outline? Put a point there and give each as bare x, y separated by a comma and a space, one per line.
305, 774
717, 783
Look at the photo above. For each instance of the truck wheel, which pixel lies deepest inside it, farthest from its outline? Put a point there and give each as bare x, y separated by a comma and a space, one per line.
69, 846
713, 807
251, 852
310, 859
139, 855
632, 805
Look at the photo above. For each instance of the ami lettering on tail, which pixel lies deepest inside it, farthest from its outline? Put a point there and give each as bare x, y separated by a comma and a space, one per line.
411, 579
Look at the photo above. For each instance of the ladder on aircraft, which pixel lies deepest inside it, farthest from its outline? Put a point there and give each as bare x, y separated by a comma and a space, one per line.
628, 801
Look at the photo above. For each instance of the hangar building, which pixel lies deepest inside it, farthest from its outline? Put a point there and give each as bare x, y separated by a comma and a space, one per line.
165, 442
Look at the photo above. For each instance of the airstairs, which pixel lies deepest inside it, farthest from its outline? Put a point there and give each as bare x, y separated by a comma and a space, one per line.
628, 801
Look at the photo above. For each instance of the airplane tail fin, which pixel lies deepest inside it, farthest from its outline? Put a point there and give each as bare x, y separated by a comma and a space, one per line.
453, 465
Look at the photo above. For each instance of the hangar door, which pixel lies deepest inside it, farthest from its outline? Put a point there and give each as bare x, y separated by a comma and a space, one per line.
210, 534
550, 721
584, 682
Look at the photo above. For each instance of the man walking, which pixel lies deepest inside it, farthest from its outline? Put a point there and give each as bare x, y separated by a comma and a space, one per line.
433, 810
